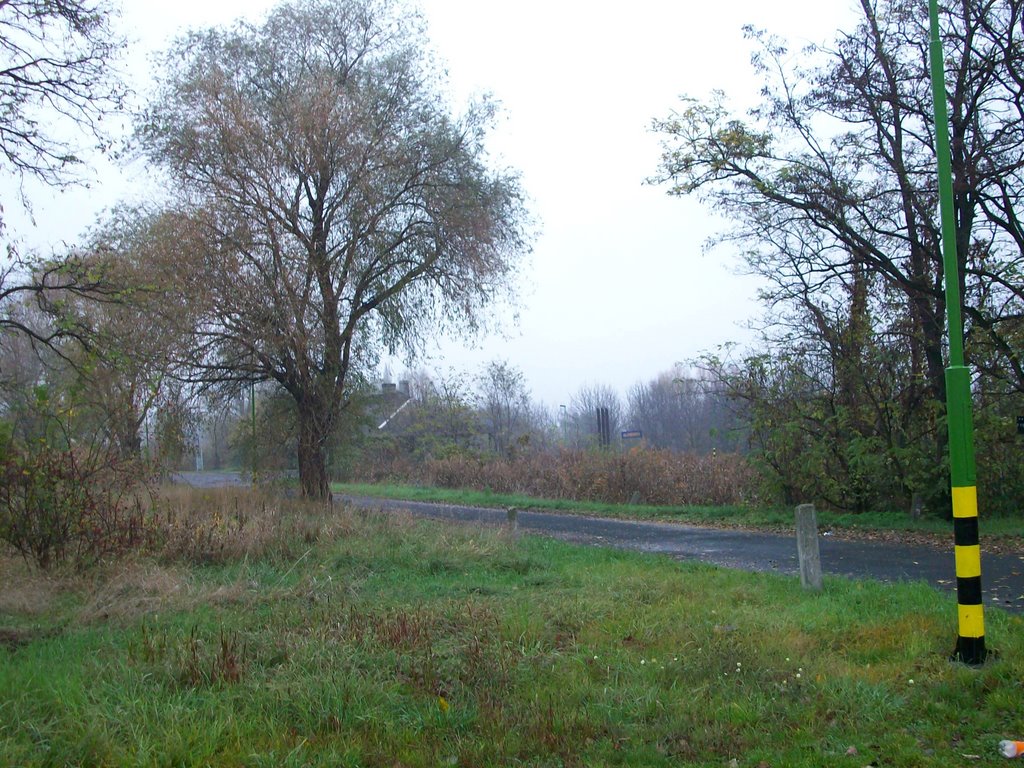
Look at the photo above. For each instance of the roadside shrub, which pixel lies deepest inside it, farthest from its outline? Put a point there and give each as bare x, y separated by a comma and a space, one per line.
61, 504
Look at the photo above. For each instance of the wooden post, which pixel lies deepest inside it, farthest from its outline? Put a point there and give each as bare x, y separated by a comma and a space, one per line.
807, 546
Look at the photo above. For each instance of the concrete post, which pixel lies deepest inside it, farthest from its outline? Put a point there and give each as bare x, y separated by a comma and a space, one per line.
513, 522
807, 546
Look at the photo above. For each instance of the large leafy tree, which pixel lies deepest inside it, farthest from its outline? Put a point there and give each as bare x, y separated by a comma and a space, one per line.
831, 184
330, 202
831, 179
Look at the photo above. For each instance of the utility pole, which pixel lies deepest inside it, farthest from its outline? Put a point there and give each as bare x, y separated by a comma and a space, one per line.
970, 643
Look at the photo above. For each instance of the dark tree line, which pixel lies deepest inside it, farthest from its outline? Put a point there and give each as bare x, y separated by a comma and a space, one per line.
327, 204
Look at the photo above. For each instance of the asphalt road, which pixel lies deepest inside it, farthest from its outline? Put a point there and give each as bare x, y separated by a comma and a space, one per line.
1002, 575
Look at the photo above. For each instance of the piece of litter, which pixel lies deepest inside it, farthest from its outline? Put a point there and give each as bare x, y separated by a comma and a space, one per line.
1011, 748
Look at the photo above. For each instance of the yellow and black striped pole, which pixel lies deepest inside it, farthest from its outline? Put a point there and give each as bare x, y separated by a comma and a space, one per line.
970, 643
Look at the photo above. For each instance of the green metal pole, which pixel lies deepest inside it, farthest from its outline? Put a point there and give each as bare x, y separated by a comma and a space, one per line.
970, 643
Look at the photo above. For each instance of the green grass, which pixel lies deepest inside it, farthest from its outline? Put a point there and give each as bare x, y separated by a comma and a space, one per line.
395, 642
754, 517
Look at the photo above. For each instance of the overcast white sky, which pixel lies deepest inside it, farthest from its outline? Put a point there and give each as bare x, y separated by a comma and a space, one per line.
618, 288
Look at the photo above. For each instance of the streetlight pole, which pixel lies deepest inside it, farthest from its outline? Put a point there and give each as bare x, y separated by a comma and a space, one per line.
970, 643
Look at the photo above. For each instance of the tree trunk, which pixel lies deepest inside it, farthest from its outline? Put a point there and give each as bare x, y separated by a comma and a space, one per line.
125, 427
313, 434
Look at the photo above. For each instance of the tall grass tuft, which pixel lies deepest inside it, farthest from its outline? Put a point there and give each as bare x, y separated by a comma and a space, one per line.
223, 525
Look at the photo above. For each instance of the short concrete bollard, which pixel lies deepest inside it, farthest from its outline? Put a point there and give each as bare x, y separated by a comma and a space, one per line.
807, 546
513, 522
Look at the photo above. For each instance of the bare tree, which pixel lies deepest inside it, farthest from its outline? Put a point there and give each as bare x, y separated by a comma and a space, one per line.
504, 401
56, 60
684, 412
36, 296
330, 203
56, 84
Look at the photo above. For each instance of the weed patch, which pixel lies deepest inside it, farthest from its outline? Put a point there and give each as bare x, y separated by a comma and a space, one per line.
224, 525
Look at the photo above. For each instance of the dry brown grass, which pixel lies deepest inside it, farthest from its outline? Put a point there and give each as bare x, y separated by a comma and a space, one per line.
640, 475
120, 591
185, 527
28, 591
129, 590
227, 524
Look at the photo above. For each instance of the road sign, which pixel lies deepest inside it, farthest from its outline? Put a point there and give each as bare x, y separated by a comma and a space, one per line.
633, 434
